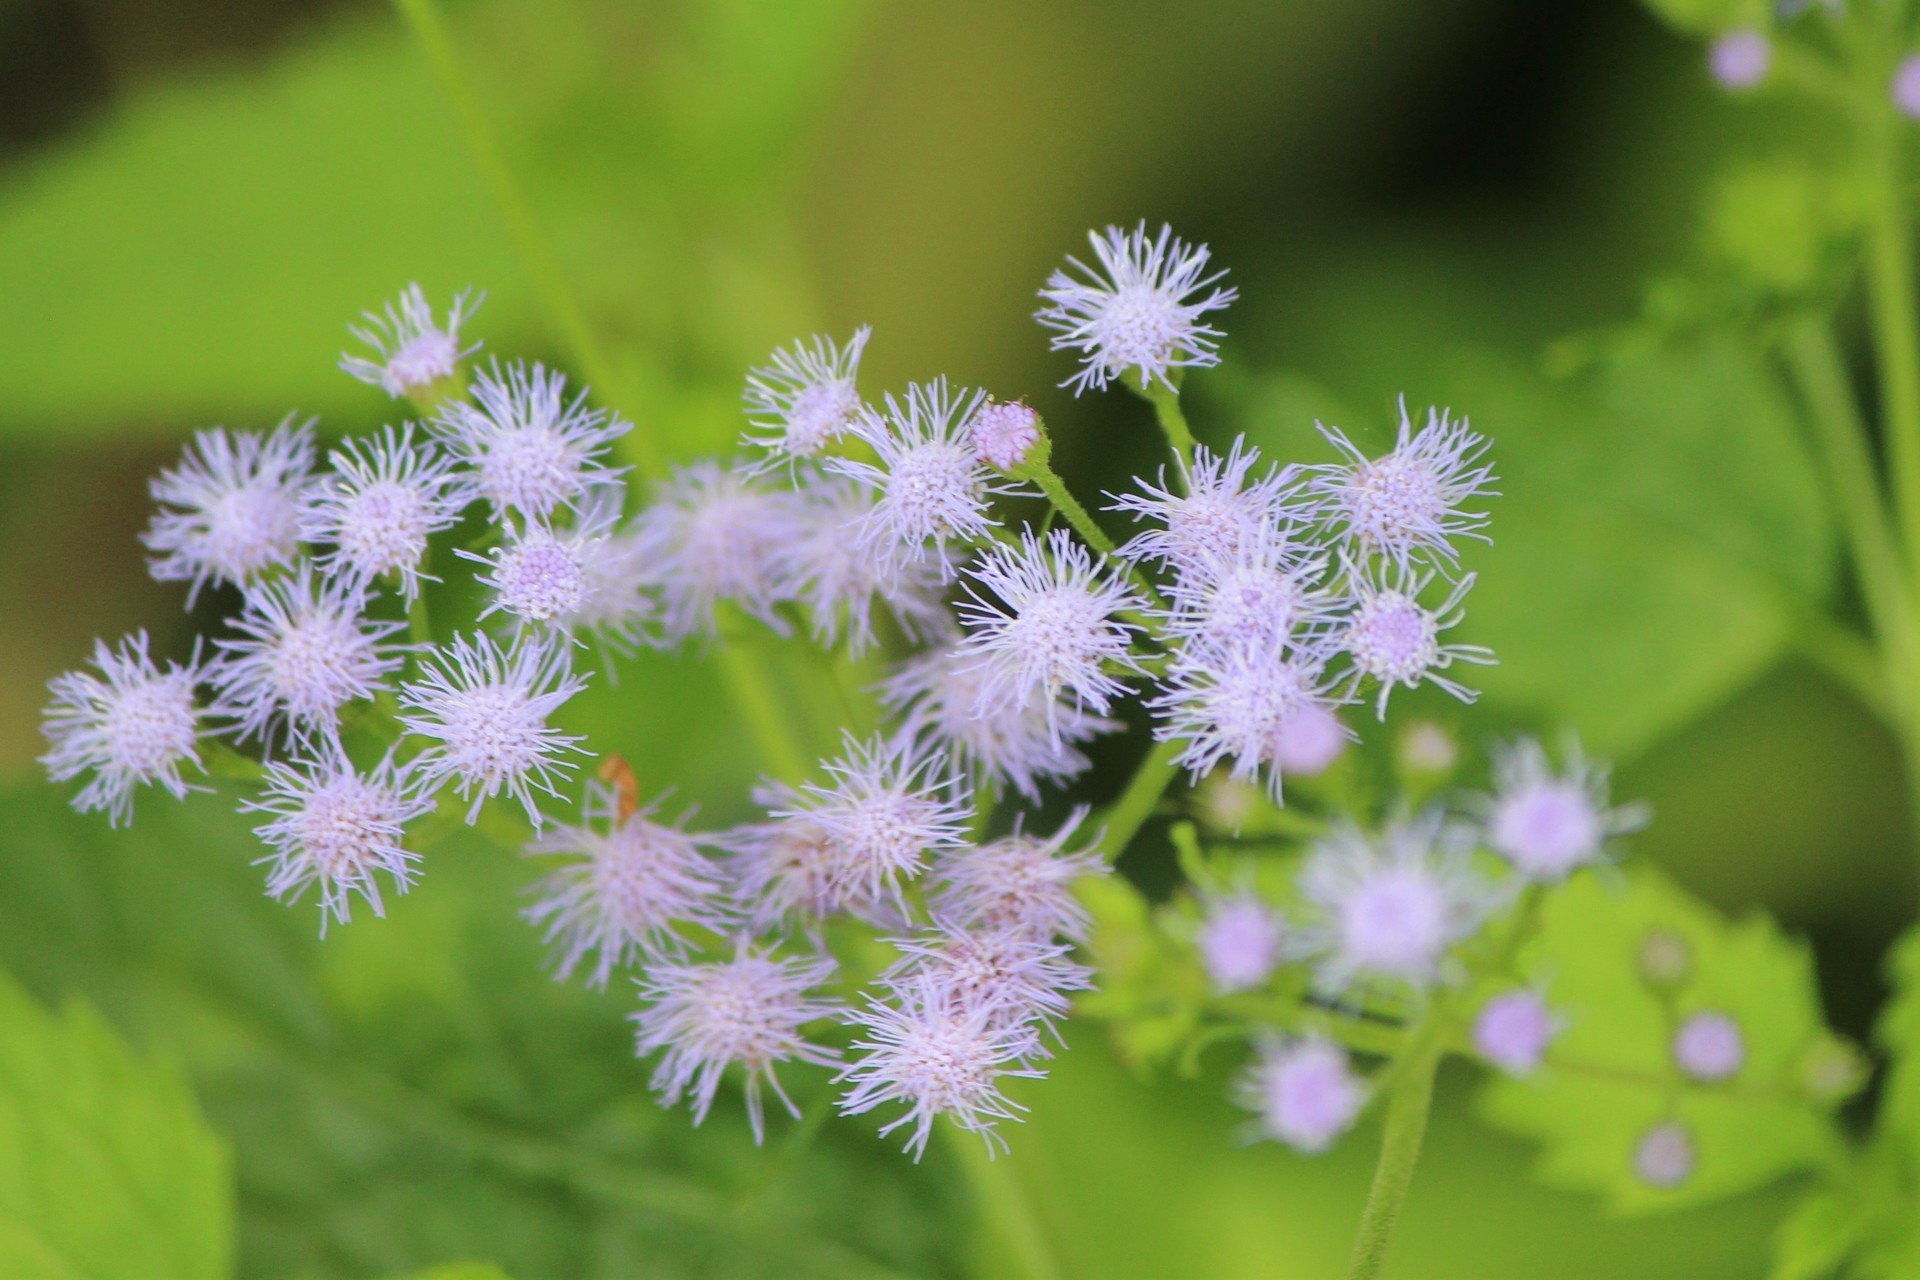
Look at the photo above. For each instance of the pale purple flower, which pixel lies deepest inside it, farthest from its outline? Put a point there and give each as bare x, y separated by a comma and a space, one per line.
1388, 907
1905, 88
133, 724
1740, 60
1407, 503
1709, 1047
827, 570
940, 1058
412, 351
1303, 1092
1217, 510
1549, 824
941, 697
715, 534
1017, 975
339, 829
930, 487
889, 805
378, 506
1306, 743
524, 446
541, 575
1019, 882
615, 604
1137, 312
1664, 1157
1048, 629
1262, 593
746, 1011
628, 885
1241, 704
1003, 434
1239, 942
806, 396
1427, 747
304, 650
783, 869
488, 712
1513, 1030
231, 508
1394, 640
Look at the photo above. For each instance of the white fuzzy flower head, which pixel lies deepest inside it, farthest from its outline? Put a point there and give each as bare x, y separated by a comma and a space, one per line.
889, 805
1307, 743
1513, 1030
627, 886
840, 583
930, 486
1015, 976
1549, 824
133, 724
488, 713
940, 1058
1245, 704
1302, 1092
1218, 511
1664, 1157
339, 829
941, 697
784, 870
714, 534
539, 575
806, 396
1138, 312
304, 650
524, 446
1003, 434
1407, 503
1048, 627
1740, 60
411, 351
378, 506
746, 1011
1261, 595
1021, 882
1388, 908
1709, 1047
1239, 942
1394, 640
231, 508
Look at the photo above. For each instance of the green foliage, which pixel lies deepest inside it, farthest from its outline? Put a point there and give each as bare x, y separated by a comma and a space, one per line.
1610, 1076
461, 1271
1713, 17
107, 1169
1779, 223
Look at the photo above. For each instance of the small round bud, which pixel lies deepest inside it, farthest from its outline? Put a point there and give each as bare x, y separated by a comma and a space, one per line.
1306, 743
1665, 1156
1003, 435
1906, 87
1665, 960
1428, 748
1514, 1030
1739, 60
1708, 1046
1831, 1070
1240, 943
1223, 802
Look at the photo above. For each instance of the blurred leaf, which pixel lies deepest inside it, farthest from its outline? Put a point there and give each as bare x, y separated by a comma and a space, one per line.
460, 1271
106, 1167
1610, 1077
1777, 222
1713, 17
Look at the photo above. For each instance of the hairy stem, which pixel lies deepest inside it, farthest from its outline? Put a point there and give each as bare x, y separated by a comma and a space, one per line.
1043, 474
1130, 812
1896, 334
1406, 1127
1166, 407
1003, 1204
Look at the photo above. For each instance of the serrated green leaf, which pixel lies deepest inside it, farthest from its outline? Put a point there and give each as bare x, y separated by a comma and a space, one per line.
107, 1170
1610, 1076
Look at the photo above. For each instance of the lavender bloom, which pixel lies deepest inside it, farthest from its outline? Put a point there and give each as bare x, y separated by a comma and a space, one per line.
1021, 882
1303, 1092
1407, 503
1905, 88
1260, 594
939, 1057
378, 506
540, 575
1709, 1047
714, 534
1740, 60
929, 485
339, 829
1245, 704
1513, 1031
1306, 743
525, 446
235, 502
132, 724
614, 603
303, 652
487, 711
748, 1010
1216, 513
629, 882
1054, 632
412, 351
839, 581
783, 869
1003, 434
1393, 640
1016, 975
1134, 313
941, 697
806, 397
1389, 907
1549, 824
1665, 1156
1240, 942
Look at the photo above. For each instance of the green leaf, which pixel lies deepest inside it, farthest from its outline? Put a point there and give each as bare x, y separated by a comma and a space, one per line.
107, 1168
460, 1271
1713, 17
1610, 1077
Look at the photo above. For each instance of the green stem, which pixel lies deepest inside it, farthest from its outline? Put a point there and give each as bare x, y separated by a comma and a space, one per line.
1004, 1207
1896, 334
1166, 407
1130, 812
754, 697
1043, 474
1406, 1127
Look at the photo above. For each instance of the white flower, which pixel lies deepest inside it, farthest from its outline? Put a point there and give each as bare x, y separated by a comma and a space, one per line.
1239, 942
1251, 704
1019, 882
1262, 594
525, 447
714, 534
1407, 503
784, 869
231, 509
133, 724
412, 351
378, 506
1393, 640
540, 575
1134, 313
1550, 824
806, 396
1216, 512
827, 570
1709, 1047
1303, 1092
1513, 1030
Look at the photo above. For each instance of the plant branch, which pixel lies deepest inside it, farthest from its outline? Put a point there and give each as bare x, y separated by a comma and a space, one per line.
1408, 1106
1136, 804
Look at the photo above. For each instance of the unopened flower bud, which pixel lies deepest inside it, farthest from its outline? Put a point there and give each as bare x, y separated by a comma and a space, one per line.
1003, 435
1906, 87
1739, 60
1665, 1156
1513, 1031
1428, 748
1830, 1070
1665, 960
1709, 1047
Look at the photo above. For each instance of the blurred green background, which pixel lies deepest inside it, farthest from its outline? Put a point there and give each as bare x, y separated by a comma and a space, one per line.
196, 196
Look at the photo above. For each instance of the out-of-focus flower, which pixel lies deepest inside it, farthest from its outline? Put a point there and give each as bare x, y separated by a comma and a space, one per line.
231, 508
